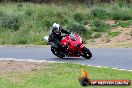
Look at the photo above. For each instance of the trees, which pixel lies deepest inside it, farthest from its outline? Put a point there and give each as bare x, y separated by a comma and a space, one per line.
128, 1
90, 2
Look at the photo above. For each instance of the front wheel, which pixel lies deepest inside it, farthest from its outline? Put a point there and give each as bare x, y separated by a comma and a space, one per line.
57, 52
86, 53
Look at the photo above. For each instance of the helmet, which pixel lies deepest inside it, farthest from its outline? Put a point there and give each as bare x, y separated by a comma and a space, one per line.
56, 28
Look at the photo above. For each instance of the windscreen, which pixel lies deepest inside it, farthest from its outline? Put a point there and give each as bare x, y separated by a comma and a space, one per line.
72, 37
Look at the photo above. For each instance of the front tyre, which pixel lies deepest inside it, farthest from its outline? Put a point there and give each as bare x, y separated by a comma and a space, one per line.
56, 52
86, 53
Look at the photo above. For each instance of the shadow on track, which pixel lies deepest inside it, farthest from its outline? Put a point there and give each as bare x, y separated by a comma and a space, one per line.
67, 59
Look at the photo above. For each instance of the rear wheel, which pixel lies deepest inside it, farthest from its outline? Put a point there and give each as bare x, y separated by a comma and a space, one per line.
57, 52
86, 53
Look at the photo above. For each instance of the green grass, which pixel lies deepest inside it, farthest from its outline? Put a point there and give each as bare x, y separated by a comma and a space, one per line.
96, 35
27, 23
99, 26
112, 34
125, 24
59, 76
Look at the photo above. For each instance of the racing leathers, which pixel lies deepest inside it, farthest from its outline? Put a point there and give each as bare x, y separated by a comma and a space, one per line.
54, 39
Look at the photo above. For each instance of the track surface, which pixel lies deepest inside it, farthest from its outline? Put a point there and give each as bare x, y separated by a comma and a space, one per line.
108, 57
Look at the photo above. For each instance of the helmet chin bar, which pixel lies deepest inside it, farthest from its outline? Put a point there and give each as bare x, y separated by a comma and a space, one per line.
57, 33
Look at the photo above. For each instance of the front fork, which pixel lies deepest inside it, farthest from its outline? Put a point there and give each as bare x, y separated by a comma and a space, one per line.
82, 46
81, 50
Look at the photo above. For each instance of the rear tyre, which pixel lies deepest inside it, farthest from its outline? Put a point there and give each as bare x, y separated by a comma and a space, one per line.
86, 53
57, 52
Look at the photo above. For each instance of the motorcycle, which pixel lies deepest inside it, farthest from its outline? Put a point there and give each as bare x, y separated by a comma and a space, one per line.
75, 47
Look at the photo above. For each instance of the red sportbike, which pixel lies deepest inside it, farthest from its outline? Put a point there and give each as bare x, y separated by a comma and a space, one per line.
75, 47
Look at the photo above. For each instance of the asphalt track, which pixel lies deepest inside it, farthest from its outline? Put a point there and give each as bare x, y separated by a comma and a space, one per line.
109, 57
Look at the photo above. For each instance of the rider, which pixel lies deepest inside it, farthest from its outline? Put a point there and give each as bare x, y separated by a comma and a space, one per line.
55, 36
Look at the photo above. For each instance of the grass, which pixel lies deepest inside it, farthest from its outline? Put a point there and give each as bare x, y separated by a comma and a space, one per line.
59, 75
125, 24
127, 44
99, 26
27, 23
112, 34
96, 35
33, 21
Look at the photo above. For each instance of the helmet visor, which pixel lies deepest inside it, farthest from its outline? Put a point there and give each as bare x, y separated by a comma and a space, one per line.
57, 31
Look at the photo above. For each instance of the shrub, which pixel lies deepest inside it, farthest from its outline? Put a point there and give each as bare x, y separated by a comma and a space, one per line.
120, 13
44, 24
80, 29
48, 23
64, 21
29, 12
78, 17
124, 24
1, 14
99, 13
19, 6
59, 15
37, 38
112, 34
61, 18
11, 21
96, 35
99, 26
19, 39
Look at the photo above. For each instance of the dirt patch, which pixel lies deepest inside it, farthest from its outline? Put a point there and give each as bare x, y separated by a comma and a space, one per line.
123, 30
122, 38
125, 34
110, 22
21, 66
127, 44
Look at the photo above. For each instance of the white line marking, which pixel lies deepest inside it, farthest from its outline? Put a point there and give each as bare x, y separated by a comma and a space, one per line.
40, 61
27, 60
